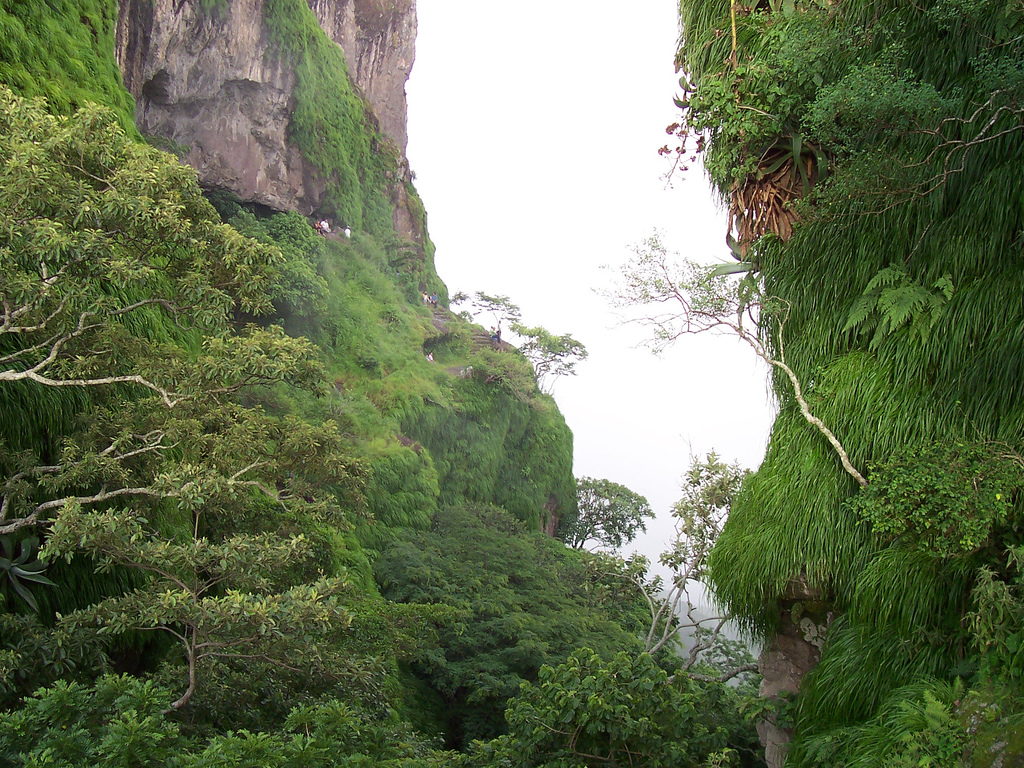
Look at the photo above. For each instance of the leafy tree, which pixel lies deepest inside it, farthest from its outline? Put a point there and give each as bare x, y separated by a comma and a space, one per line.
551, 355
116, 274
118, 723
113, 267
99, 235
710, 488
588, 711
215, 598
500, 308
609, 514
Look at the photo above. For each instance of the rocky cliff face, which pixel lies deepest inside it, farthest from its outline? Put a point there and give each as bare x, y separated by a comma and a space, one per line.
213, 82
378, 37
793, 651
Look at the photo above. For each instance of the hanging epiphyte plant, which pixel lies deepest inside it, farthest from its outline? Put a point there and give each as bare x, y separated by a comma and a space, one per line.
763, 202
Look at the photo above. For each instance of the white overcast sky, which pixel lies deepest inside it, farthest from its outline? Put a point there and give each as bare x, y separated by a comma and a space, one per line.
533, 132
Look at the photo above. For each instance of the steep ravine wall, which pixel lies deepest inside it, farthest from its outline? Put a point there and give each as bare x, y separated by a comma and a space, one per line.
212, 82
379, 41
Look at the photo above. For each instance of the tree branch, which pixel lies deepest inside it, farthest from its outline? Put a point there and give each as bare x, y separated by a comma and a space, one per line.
707, 303
96, 498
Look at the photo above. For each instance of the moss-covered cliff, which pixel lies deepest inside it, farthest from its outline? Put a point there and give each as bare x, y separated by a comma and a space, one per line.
253, 389
357, 298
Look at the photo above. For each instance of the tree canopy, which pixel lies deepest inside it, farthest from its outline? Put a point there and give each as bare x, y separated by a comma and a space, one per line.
609, 514
552, 356
523, 601
588, 711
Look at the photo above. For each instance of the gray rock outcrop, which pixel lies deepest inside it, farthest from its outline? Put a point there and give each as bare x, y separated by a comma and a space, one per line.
792, 652
212, 82
379, 41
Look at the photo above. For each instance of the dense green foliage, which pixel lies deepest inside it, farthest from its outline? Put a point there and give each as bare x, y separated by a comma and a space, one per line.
118, 723
331, 124
213, 420
525, 601
118, 279
900, 275
951, 500
63, 50
489, 446
609, 515
334, 129
625, 710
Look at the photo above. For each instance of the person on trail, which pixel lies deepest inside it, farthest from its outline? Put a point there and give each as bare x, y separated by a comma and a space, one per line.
348, 232
324, 227
430, 357
433, 299
426, 299
497, 336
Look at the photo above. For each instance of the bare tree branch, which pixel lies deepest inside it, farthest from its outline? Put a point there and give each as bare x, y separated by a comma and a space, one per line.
702, 301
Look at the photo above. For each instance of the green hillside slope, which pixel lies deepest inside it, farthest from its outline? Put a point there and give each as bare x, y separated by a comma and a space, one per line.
213, 420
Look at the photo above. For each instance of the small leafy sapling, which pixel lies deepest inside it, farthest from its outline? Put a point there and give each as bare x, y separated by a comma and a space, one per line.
708, 491
499, 308
552, 356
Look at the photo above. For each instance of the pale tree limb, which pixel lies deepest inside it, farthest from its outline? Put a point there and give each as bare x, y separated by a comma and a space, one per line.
95, 498
728, 674
55, 344
702, 302
708, 490
667, 624
805, 410
151, 442
169, 398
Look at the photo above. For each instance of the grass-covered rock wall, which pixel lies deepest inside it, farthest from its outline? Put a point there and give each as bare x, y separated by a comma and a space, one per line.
239, 418
870, 155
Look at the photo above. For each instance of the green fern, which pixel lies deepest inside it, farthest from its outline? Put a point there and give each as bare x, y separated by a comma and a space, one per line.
892, 300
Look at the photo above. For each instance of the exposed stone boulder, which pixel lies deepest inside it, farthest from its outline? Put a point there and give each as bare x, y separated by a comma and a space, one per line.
793, 651
213, 83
